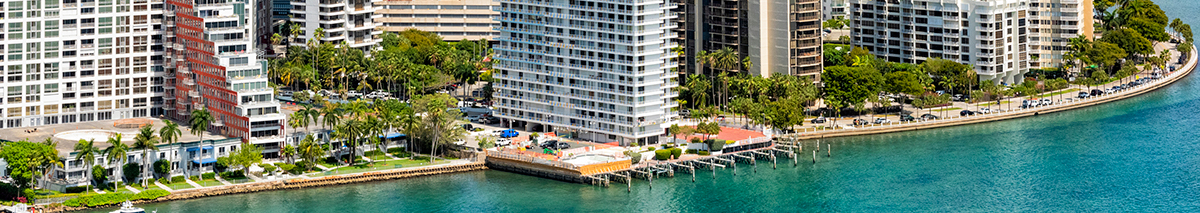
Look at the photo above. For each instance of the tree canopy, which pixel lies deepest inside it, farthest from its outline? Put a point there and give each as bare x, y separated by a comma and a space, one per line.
1129, 40
850, 86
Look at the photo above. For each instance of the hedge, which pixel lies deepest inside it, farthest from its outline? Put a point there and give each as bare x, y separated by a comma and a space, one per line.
676, 152
690, 151
233, 174
662, 154
76, 189
704, 153
94, 200
652, 148
207, 176
177, 179
287, 167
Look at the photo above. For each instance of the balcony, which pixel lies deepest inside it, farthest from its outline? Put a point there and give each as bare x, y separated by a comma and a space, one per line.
189, 82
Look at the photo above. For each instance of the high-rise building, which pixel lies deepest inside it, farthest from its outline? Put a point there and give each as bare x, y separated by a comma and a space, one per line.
453, 20
779, 36
1053, 23
210, 64
834, 9
69, 62
602, 69
74, 61
349, 21
992, 35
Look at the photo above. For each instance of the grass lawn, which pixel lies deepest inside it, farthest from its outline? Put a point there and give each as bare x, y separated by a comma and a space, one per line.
326, 165
210, 182
990, 103
1059, 93
180, 185
239, 180
947, 109
379, 165
378, 156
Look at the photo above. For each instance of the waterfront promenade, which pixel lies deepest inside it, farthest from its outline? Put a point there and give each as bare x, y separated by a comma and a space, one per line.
996, 114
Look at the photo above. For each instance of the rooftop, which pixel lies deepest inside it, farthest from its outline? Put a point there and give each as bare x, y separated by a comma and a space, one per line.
65, 146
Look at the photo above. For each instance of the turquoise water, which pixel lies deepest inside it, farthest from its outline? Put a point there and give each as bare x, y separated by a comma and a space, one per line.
1133, 155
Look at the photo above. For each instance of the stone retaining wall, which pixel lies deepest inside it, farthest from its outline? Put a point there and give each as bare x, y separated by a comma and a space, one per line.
535, 169
300, 183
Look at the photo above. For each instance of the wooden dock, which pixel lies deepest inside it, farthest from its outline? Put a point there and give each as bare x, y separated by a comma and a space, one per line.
648, 171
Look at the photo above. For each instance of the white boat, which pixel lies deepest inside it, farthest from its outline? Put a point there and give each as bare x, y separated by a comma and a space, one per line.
127, 207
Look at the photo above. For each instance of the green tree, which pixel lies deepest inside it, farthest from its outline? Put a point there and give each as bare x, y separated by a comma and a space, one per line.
1105, 54
87, 151
309, 150
904, 83
170, 134
116, 153
246, 156
145, 140
289, 152
199, 122
1129, 40
851, 85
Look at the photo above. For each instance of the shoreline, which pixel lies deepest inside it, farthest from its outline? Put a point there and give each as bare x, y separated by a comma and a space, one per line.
1005, 115
295, 183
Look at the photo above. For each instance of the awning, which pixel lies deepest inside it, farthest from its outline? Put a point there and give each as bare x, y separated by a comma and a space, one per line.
205, 161
393, 135
193, 149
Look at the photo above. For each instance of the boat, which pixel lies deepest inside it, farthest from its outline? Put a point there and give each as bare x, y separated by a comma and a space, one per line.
127, 207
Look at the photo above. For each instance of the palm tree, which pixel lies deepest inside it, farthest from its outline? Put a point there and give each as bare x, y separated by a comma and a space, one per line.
310, 150
701, 58
117, 153
145, 141
199, 122
86, 150
296, 31
170, 133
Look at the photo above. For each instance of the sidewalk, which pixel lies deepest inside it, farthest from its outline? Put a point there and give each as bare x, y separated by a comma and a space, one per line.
160, 185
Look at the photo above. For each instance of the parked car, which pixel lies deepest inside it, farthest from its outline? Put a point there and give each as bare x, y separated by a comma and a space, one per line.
468, 127
508, 133
882, 121
1028, 103
966, 113
985, 110
555, 145
860, 121
818, 120
1046, 102
1115, 88
904, 118
503, 142
460, 142
1083, 95
929, 117
489, 120
1097, 92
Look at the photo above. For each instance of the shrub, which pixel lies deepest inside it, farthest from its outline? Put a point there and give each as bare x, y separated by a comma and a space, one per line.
676, 152
695, 140
268, 168
131, 171
652, 148
704, 153
233, 174
98, 174
662, 154
162, 167
287, 167
207, 176
164, 180
76, 189
94, 200
635, 157
177, 179
690, 151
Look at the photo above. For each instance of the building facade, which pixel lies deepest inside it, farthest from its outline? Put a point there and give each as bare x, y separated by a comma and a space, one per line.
834, 9
453, 20
350, 21
190, 158
778, 36
1054, 23
210, 64
602, 70
991, 35
68, 62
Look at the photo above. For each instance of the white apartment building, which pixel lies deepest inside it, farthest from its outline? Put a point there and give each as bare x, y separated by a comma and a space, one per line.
834, 9
350, 21
1053, 24
598, 68
992, 35
454, 20
75, 61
